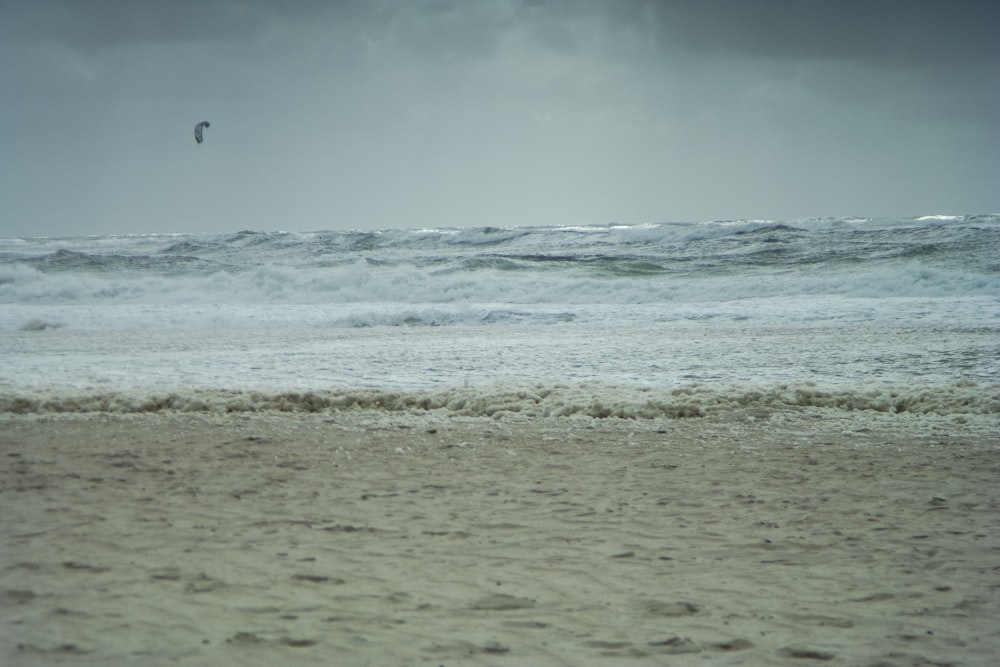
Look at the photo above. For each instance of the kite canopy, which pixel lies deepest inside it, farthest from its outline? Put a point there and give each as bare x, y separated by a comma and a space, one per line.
198, 128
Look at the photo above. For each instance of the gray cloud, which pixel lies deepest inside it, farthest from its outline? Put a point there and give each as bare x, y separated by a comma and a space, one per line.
383, 113
102, 24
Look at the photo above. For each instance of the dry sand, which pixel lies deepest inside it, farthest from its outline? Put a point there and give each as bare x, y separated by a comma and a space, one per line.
798, 537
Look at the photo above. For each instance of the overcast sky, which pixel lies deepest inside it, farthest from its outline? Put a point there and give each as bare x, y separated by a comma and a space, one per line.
367, 114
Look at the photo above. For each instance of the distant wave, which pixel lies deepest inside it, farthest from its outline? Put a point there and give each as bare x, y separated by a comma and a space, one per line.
491, 275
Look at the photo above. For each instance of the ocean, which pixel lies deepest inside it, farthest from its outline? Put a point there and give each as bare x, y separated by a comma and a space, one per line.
630, 321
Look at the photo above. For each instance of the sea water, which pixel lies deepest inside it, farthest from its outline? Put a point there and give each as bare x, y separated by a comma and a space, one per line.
891, 314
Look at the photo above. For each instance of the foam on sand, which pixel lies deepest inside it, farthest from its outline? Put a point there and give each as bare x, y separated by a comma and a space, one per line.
596, 401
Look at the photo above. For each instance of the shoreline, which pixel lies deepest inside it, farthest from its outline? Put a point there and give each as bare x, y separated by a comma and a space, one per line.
749, 536
504, 400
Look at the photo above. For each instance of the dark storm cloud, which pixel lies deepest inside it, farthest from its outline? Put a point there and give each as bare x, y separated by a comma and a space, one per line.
884, 33
889, 33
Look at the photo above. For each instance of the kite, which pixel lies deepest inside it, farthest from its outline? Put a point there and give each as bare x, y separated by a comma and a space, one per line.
197, 130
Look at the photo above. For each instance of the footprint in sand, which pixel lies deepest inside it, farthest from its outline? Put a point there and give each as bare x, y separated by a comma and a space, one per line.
670, 609
502, 602
18, 596
318, 579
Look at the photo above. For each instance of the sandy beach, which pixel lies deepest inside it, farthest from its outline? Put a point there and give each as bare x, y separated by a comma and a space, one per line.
362, 537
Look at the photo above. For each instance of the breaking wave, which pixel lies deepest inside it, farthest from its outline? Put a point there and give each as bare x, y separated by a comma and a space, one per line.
613, 264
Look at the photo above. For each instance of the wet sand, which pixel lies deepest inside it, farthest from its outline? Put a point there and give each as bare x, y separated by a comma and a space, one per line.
798, 537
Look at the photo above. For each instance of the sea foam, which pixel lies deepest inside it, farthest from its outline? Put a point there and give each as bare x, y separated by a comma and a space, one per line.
599, 402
